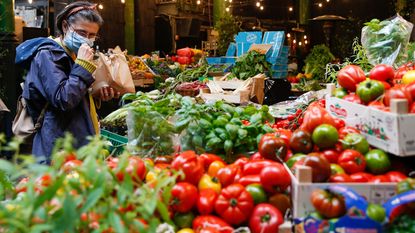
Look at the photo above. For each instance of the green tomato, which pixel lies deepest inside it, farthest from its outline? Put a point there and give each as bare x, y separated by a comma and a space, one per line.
316, 215
377, 161
376, 212
336, 169
325, 136
356, 142
340, 92
291, 161
369, 90
183, 220
257, 193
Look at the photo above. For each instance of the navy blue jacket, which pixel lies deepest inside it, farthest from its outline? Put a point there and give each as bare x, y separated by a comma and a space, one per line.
53, 77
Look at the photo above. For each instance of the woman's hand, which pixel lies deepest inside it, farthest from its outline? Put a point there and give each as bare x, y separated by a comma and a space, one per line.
85, 53
107, 93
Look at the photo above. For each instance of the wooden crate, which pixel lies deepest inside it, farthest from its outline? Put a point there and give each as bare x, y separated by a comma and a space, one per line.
143, 82
240, 98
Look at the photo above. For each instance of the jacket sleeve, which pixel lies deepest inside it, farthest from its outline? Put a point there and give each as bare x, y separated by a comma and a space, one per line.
62, 91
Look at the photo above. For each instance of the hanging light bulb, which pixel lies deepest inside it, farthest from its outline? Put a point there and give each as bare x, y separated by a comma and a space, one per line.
290, 8
262, 8
327, 0
258, 4
30, 1
300, 43
198, 2
306, 42
295, 41
100, 6
122, 1
305, 37
288, 35
230, 1
320, 4
227, 9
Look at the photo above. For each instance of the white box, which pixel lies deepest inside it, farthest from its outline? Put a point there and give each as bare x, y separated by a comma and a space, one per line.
388, 131
301, 189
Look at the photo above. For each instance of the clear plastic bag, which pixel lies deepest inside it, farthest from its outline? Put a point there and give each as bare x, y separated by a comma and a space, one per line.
385, 42
150, 134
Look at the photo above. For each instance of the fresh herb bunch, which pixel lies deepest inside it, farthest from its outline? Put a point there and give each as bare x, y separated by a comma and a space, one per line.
250, 64
386, 41
316, 61
222, 128
88, 196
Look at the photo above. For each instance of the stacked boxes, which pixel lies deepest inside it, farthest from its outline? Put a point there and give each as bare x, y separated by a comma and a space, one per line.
277, 55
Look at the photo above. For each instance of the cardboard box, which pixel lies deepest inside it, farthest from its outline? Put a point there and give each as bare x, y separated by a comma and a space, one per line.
301, 189
388, 131
254, 37
240, 98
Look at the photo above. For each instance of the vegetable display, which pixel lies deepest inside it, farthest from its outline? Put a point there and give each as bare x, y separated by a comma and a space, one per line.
250, 64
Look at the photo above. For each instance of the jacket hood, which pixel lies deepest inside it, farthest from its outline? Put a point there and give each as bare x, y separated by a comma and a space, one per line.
26, 51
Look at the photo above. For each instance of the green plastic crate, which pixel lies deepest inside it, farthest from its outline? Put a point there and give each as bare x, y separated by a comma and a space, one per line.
117, 141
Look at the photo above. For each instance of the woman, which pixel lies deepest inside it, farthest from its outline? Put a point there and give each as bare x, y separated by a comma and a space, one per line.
59, 76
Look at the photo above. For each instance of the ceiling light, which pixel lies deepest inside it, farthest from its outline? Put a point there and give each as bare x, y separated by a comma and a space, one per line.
30, 1
305, 36
230, 1
258, 4
306, 42
262, 7
320, 4
198, 2
288, 35
327, 0
100, 6
122, 1
227, 9
290, 8
294, 41
299, 43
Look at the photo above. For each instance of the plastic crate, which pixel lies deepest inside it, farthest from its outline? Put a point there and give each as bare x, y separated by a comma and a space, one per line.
117, 141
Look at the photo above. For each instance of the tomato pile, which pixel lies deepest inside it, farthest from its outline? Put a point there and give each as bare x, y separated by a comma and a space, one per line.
249, 192
382, 85
335, 152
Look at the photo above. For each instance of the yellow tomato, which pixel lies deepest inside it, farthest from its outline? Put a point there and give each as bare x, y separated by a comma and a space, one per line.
308, 76
151, 176
408, 77
148, 162
214, 167
208, 182
186, 230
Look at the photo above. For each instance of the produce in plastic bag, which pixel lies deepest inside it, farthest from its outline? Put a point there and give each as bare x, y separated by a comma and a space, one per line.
385, 42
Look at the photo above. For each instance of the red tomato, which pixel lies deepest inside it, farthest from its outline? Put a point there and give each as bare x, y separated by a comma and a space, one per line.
241, 161
411, 89
352, 97
275, 178
379, 179
210, 222
386, 85
285, 134
361, 177
331, 155
314, 116
289, 155
184, 197
412, 108
395, 176
206, 201
382, 72
377, 104
256, 156
340, 178
343, 132
352, 161
349, 76
255, 167
234, 204
191, 165
207, 159
22, 185
135, 168
397, 92
250, 179
229, 174
272, 147
265, 219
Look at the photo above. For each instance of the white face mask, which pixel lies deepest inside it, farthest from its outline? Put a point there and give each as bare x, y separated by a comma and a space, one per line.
74, 41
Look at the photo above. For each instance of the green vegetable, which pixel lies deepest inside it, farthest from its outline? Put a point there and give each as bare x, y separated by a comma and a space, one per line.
250, 64
316, 61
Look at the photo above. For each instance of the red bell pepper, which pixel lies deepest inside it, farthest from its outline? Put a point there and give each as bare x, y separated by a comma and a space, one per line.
229, 174
191, 165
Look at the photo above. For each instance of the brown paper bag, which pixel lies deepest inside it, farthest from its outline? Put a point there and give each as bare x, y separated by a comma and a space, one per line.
113, 71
